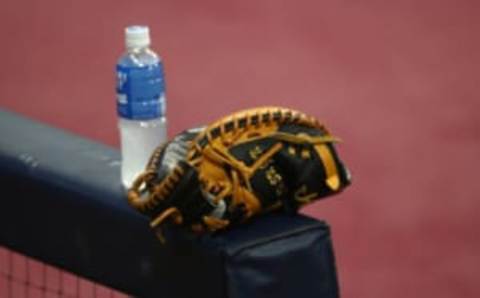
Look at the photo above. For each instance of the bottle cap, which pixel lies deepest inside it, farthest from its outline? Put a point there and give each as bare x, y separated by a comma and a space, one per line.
137, 36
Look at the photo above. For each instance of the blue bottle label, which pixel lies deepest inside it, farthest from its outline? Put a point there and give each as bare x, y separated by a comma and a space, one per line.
140, 92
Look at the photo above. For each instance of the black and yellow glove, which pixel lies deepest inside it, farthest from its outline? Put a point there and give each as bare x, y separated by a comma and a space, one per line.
242, 165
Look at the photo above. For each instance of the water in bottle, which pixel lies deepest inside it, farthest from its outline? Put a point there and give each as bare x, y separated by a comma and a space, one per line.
140, 102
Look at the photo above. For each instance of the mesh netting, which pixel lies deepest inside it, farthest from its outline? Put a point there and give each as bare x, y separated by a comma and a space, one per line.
21, 276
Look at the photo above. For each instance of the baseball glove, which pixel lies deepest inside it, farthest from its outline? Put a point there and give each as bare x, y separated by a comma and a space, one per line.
242, 165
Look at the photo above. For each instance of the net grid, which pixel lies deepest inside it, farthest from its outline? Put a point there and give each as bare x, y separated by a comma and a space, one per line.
24, 277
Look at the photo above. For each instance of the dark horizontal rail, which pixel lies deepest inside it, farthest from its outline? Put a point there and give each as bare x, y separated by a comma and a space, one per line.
62, 202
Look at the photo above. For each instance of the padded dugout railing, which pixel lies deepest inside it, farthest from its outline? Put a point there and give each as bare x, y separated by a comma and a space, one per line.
62, 203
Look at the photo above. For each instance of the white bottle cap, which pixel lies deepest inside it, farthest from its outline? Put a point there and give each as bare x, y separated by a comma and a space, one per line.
137, 37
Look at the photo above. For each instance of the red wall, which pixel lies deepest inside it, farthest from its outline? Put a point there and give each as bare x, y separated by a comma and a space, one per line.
397, 80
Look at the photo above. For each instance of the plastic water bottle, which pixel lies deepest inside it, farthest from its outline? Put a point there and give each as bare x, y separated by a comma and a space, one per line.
140, 102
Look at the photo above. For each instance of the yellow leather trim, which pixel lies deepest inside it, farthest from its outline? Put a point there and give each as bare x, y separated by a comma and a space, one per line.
333, 180
302, 196
214, 223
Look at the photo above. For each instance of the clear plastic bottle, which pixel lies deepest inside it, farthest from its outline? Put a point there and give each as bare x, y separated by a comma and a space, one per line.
141, 102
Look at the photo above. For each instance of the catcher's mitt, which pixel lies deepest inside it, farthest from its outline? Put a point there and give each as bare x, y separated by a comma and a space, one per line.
245, 164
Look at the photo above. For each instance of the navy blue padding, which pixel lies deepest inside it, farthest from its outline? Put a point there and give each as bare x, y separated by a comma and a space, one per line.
62, 202
288, 257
